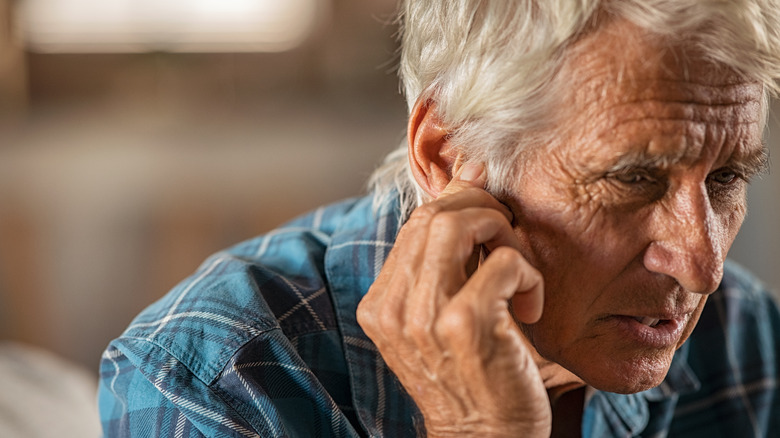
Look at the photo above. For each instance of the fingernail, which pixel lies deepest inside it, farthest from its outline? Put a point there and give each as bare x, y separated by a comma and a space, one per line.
471, 171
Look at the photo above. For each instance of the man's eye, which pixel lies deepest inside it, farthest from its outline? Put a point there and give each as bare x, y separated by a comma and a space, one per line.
634, 184
631, 177
723, 176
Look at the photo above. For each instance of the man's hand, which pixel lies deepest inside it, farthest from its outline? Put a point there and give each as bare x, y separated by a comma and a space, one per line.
448, 335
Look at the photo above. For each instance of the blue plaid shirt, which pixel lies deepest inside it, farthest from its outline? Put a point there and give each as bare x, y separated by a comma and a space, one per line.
262, 341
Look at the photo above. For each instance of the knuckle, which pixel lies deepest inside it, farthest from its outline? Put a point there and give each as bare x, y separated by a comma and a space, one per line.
364, 307
507, 256
374, 321
364, 315
386, 323
454, 321
510, 259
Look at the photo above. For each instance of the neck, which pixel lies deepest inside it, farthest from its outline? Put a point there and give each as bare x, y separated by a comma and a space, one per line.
567, 410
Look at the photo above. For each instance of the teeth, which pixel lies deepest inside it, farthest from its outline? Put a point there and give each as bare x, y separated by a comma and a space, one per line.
648, 321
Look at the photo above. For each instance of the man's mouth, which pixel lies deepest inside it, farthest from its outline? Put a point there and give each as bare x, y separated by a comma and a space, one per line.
656, 331
648, 321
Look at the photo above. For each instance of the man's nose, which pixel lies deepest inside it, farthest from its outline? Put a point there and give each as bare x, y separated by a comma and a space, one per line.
688, 241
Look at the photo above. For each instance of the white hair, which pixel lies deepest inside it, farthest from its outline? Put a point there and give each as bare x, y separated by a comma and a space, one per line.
489, 65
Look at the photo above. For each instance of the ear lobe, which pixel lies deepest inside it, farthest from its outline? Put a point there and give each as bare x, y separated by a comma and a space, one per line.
431, 155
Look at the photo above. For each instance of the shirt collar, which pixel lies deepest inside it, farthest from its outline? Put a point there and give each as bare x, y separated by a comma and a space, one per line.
354, 257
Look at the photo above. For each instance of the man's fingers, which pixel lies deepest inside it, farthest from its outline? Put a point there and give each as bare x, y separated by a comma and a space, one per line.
469, 183
476, 325
427, 265
446, 331
506, 275
451, 241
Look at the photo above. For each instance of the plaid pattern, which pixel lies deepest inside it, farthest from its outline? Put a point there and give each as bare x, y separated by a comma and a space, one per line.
262, 341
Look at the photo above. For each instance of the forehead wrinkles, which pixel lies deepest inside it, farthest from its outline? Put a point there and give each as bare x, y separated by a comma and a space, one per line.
629, 90
623, 64
604, 86
699, 144
652, 113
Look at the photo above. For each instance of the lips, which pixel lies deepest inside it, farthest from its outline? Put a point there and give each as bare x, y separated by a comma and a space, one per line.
654, 331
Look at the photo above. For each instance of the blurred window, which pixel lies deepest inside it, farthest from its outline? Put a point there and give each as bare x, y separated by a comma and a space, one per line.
111, 26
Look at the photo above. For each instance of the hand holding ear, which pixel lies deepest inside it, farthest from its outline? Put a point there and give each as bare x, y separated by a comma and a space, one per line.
449, 336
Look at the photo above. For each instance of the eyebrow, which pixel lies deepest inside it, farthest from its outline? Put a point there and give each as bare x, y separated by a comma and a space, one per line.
755, 162
751, 163
639, 158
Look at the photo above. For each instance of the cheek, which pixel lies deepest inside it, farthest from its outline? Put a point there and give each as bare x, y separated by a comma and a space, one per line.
727, 223
580, 251
733, 222
564, 222
729, 211
574, 243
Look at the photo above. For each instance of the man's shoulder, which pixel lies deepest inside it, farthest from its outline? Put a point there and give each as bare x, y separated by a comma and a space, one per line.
274, 282
240, 345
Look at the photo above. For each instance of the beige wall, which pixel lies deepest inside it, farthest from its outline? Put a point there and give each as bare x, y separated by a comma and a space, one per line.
758, 242
126, 171
13, 89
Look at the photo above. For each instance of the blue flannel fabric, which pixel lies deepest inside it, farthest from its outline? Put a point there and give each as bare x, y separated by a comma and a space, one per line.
262, 341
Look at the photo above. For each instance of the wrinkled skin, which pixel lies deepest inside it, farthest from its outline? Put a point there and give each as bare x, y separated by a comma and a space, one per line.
626, 215
639, 200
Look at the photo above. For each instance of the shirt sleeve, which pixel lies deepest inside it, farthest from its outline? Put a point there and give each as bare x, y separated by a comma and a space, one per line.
248, 346
134, 403
265, 390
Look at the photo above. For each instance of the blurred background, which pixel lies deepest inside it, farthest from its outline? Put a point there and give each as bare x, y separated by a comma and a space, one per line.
139, 136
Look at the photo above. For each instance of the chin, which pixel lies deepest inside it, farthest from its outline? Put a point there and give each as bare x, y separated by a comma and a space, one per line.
626, 376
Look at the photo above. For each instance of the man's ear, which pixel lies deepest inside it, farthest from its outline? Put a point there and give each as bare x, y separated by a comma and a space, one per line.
431, 155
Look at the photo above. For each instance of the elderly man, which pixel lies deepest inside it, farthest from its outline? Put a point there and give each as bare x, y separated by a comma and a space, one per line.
577, 173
